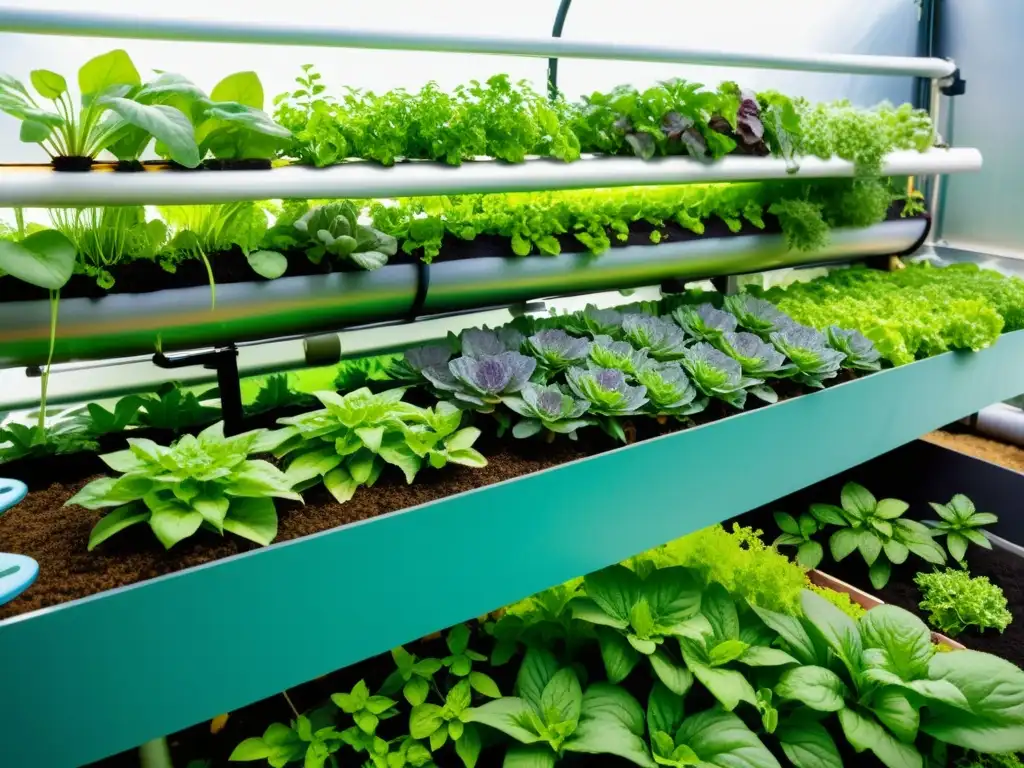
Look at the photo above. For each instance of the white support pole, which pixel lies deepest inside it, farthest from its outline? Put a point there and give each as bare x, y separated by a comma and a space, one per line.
86, 24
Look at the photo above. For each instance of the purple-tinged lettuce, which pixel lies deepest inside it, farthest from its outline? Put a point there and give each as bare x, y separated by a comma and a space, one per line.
609, 394
484, 342
669, 390
814, 359
410, 367
859, 350
662, 338
756, 357
717, 375
547, 408
757, 315
619, 355
704, 322
607, 391
594, 322
482, 382
555, 350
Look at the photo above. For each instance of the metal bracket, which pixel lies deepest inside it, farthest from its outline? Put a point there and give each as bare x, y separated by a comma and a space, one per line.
223, 360
954, 85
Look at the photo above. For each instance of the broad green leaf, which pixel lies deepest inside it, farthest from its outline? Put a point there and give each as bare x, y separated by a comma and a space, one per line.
438, 738
510, 715
615, 589
532, 756
837, 629
816, 687
609, 737
646, 647
45, 259
365, 721
792, 633
828, 514
723, 740
763, 656
562, 698
96, 495
870, 545
172, 521
676, 677
808, 745
49, 84
379, 704
904, 637
808, 525
251, 749
864, 732
604, 701
641, 619
468, 746
459, 697
585, 609
994, 689
879, 573
457, 639
117, 521
943, 511
957, 546
843, 542
34, 132
340, 484
618, 655
787, 523
242, 87
889, 509
664, 710
538, 667
484, 685
896, 551
416, 690
728, 686
857, 500
106, 70
892, 707
402, 456
962, 506
726, 651
809, 554
253, 519
718, 608
167, 125
268, 264
424, 720
213, 509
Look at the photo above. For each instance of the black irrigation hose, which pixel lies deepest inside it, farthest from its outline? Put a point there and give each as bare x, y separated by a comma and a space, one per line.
556, 31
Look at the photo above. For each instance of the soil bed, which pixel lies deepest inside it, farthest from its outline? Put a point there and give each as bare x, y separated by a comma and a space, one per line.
1009, 456
56, 536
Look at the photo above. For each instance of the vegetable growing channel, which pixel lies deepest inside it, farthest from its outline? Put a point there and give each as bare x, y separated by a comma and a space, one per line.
454, 549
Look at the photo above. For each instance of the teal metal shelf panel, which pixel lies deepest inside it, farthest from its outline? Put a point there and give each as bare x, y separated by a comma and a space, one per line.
117, 669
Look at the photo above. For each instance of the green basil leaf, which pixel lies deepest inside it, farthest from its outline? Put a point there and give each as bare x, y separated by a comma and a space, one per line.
45, 259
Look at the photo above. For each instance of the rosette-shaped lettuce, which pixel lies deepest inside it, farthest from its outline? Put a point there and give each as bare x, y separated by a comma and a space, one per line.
547, 408
756, 357
814, 359
607, 391
859, 350
594, 322
410, 367
556, 350
717, 375
335, 229
482, 382
662, 338
757, 315
484, 342
704, 322
669, 390
619, 355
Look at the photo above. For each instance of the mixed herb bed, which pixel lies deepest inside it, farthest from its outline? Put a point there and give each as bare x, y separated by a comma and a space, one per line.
712, 650
122, 115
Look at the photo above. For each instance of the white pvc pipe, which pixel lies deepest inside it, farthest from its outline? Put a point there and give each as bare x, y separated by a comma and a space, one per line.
30, 186
85, 24
1002, 422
